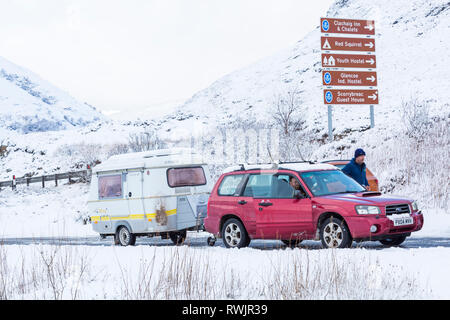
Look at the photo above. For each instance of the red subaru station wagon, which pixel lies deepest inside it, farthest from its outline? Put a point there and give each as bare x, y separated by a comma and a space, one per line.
299, 201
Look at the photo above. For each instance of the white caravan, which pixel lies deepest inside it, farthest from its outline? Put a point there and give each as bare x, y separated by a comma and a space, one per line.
154, 193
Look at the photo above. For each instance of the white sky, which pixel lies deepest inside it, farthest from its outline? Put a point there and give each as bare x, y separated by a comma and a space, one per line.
119, 54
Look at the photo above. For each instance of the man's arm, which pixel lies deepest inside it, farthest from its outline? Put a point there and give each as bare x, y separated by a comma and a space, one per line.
346, 169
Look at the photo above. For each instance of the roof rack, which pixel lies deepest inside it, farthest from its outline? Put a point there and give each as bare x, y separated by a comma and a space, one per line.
336, 160
302, 161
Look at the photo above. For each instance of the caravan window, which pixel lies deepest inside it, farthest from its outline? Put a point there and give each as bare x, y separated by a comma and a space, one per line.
186, 177
110, 186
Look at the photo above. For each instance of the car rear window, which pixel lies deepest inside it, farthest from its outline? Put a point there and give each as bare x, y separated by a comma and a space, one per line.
186, 177
110, 186
230, 185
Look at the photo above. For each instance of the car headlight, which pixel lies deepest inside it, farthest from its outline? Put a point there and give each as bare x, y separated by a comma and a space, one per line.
414, 206
367, 210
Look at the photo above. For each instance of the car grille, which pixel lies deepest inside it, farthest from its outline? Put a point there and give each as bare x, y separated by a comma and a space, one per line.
397, 209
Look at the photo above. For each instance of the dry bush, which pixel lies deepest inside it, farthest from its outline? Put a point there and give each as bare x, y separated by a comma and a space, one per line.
416, 117
51, 272
418, 167
85, 153
146, 141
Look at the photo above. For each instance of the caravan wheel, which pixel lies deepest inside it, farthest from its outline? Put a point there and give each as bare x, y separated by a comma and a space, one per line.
125, 237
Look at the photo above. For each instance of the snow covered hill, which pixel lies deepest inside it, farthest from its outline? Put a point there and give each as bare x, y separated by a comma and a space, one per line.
31, 104
412, 45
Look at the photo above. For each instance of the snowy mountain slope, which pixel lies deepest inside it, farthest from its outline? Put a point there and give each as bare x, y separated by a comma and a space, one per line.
31, 104
412, 45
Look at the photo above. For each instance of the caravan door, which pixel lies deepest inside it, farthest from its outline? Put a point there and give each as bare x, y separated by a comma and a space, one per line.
135, 202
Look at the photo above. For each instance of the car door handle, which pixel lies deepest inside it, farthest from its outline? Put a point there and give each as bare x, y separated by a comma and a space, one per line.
265, 204
242, 202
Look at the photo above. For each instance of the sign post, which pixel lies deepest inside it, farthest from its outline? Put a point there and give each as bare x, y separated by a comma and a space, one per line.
348, 44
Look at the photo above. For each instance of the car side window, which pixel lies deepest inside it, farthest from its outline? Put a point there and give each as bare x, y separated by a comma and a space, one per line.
286, 186
230, 185
259, 186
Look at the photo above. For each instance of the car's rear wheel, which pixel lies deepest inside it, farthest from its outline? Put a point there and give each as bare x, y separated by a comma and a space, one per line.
234, 234
393, 241
178, 237
124, 237
335, 234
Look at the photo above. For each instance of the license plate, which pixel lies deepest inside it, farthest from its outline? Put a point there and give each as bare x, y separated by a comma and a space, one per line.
403, 221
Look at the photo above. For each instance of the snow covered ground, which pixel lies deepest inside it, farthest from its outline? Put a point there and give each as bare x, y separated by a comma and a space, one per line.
265, 270
38, 224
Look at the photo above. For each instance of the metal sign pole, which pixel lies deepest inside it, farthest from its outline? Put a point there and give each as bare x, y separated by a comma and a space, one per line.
330, 123
372, 117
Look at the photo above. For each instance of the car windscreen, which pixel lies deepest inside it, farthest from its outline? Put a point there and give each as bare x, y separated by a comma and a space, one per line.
326, 182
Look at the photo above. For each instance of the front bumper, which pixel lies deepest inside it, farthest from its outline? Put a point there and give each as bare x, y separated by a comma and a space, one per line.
360, 226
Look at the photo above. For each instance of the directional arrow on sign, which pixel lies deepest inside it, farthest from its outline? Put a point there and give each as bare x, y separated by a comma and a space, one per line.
369, 27
372, 79
373, 97
369, 44
371, 61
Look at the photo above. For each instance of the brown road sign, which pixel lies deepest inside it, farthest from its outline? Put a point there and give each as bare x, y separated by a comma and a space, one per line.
347, 44
348, 26
349, 78
348, 61
331, 96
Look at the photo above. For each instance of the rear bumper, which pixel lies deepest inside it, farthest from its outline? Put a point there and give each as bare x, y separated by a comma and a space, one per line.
360, 227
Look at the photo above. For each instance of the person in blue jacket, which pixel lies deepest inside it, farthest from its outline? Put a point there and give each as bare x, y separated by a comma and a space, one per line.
356, 168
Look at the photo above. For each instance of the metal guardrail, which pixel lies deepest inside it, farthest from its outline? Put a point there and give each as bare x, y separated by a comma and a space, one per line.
84, 174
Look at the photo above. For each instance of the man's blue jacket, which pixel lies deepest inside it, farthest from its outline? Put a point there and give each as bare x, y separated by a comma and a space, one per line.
356, 171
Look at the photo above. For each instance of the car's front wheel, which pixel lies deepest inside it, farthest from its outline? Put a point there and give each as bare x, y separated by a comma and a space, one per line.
335, 234
394, 241
234, 234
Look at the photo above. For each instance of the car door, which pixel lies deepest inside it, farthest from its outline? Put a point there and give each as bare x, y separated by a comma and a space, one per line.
278, 214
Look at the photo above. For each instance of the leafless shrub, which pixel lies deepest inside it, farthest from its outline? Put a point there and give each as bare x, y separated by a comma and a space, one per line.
84, 153
118, 148
53, 272
288, 115
148, 140
417, 168
416, 117
296, 141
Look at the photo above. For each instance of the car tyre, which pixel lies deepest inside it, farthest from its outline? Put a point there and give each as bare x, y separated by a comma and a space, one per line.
234, 234
124, 237
394, 241
178, 237
335, 234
